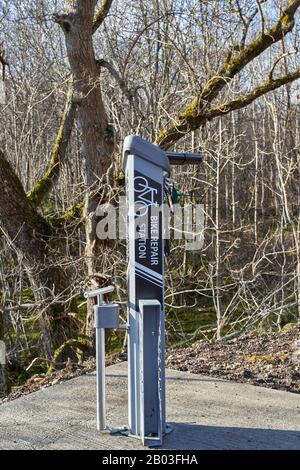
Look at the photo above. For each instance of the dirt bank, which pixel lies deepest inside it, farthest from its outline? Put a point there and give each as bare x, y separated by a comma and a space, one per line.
269, 359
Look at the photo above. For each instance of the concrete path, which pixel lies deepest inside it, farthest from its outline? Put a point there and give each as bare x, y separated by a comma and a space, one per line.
206, 413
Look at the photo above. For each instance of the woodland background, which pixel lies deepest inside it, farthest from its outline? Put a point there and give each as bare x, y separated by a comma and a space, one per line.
216, 76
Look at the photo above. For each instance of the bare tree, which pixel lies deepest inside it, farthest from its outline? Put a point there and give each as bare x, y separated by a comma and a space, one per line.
172, 71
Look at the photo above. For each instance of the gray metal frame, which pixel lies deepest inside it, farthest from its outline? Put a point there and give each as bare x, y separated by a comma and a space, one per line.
151, 380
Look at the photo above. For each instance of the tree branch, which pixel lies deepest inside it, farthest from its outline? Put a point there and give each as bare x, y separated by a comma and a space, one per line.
246, 21
121, 82
3, 64
190, 118
247, 99
43, 186
101, 14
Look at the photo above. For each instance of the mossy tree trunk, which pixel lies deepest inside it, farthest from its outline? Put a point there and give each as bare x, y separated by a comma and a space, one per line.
28, 234
97, 140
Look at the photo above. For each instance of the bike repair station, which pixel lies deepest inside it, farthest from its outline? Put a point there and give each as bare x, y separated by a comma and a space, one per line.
147, 168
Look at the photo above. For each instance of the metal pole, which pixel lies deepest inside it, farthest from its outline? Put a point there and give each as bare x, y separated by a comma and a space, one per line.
100, 368
100, 353
100, 364
176, 158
